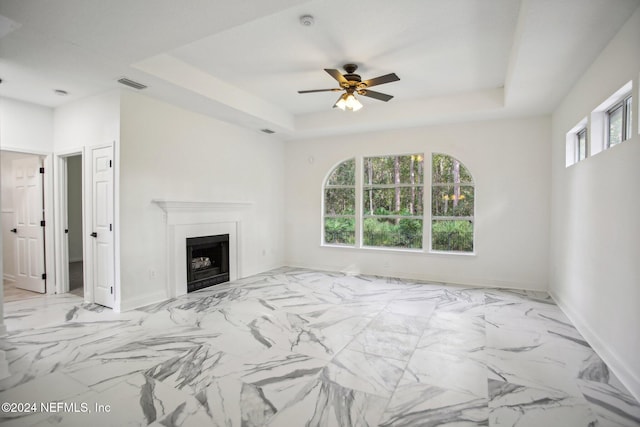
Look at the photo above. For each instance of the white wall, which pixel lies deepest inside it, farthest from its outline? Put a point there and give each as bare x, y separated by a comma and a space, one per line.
595, 233
173, 154
25, 126
90, 121
74, 207
509, 160
79, 125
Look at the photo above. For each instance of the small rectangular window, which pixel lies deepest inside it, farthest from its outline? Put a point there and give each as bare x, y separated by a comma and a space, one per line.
581, 145
628, 117
619, 122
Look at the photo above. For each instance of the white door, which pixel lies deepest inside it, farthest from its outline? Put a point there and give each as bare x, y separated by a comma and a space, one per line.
29, 205
102, 231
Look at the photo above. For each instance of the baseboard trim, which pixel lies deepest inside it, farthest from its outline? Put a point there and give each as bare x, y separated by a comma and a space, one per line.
619, 368
143, 300
470, 282
8, 277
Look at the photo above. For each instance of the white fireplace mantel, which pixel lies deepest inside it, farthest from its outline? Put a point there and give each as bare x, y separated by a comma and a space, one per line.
186, 219
189, 212
174, 205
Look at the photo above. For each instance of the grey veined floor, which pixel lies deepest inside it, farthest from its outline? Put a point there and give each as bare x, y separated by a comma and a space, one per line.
296, 347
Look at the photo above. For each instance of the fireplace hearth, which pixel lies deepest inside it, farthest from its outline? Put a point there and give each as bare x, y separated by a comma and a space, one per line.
207, 261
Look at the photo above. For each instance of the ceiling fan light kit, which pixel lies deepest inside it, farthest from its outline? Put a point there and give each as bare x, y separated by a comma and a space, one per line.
348, 101
352, 83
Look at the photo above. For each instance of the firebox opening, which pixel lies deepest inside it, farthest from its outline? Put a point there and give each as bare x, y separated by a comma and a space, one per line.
207, 261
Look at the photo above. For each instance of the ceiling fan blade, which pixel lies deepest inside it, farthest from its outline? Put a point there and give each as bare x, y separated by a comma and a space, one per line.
320, 90
387, 78
375, 95
336, 75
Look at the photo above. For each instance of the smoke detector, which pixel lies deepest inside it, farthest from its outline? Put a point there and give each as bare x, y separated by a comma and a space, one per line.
306, 20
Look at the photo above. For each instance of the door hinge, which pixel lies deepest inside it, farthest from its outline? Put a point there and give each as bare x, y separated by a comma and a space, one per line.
42, 223
41, 170
110, 164
112, 290
110, 227
44, 276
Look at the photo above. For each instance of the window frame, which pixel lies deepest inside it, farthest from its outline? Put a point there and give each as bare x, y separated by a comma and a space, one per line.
354, 216
447, 217
578, 152
625, 107
365, 187
359, 216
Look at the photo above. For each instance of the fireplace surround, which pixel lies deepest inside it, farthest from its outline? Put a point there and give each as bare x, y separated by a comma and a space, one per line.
185, 219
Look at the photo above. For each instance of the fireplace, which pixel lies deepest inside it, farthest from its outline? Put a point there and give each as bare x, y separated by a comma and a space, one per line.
207, 261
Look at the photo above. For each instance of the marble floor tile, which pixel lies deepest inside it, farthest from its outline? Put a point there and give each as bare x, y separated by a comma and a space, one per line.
517, 405
368, 373
411, 308
294, 346
422, 404
399, 323
613, 406
386, 344
327, 403
455, 372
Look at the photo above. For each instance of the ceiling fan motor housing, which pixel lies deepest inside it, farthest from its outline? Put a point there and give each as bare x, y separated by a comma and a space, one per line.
351, 76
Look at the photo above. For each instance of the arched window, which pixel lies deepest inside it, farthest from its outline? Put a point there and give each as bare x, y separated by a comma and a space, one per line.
452, 205
339, 205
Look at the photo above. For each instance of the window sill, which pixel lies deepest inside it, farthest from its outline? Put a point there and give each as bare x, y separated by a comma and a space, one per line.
398, 250
452, 253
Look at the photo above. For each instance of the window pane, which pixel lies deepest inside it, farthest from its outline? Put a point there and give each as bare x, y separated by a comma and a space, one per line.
393, 201
582, 145
395, 233
628, 118
615, 126
452, 236
340, 231
343, 174
446, 169
452, 200
407, 169
339, 201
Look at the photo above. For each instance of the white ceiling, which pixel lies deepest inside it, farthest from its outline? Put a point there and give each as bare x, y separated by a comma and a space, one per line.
244, 61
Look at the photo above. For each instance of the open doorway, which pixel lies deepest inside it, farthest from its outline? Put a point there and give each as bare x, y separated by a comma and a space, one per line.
74, 228
23, 237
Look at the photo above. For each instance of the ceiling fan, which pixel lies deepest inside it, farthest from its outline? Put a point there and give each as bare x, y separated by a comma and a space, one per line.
351, 83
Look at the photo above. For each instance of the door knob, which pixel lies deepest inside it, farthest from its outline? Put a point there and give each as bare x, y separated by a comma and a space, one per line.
14, 230
94, 234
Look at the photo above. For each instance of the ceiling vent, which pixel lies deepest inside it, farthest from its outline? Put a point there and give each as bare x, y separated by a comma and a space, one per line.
125, 81
269, 131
